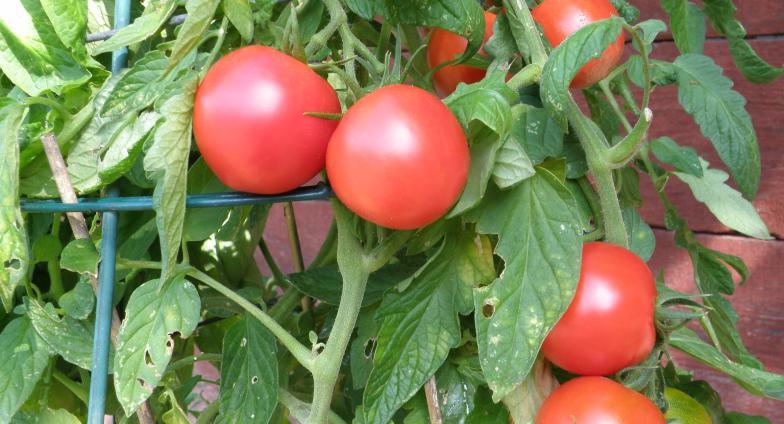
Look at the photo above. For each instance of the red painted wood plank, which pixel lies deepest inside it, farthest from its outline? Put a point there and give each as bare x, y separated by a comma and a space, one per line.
759, 303
759, 17
766, 106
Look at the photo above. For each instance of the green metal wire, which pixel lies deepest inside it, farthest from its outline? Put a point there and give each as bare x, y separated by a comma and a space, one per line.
96, 406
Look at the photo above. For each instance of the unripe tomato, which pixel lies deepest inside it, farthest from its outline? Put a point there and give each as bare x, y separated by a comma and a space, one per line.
597, 400
445, 46
399, 158
562, 18
609, 325
684, 409
249, 122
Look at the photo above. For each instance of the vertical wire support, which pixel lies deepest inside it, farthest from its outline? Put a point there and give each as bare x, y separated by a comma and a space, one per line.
103, 309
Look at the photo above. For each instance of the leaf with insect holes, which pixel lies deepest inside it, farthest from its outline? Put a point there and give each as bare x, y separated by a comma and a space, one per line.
13, 237
167, 163
249, 373
69, 338
539, 241
144, 344
568, 58
418, 327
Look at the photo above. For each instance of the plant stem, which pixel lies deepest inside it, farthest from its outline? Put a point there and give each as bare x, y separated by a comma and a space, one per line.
277, 274
293, 234
337, 17
218, 44
523, 23
605, 86
71, 129
433, 405
595, 151
282, 309
326, 253
77, 389
57, 107
527, 76
302, 354
188, 360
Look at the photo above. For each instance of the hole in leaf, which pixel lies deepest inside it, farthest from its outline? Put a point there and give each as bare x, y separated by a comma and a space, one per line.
254, 380
148, 359
488, 309
370, 347
13, 263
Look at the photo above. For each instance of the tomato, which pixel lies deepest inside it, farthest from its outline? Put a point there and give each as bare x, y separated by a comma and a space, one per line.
399, 158
684, 409
249, 125
562, 18
609, 325
445, 46
597, 400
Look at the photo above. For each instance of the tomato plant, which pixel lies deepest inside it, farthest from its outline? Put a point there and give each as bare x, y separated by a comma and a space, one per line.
250, 121
446, 46
561, 18
597, 400
398, 158
462, 257
609, 324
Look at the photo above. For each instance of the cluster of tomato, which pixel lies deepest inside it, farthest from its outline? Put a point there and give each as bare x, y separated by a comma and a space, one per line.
399, 158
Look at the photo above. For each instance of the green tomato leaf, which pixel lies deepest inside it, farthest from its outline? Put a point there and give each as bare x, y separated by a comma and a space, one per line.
69, 20
512, 164
755, 381
200, 13
486, 411
683, 159
47, 248
79, 302
200, 223
25, 356
455, 394
45, 416
167, 163
249, 374
483, 159
722, 16
32, 55
741, 418
542, 138
99, 15
641, 238
720, 112
69, 338
143, 27
126, 147
568, 58
419, 326
80, 256
725, 203
325, 283
13, 237
485, 102
240, 15
363, 348
138, 87
539, 241
687, 22
144, 344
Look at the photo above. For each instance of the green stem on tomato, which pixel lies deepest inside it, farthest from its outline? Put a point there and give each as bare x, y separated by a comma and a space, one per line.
628, 97
337, 17
188, 360
71, 129
610, 96
527, 76
595, 149
302, 354
293, 235
277, 274
78, 390
525, 30
218, 44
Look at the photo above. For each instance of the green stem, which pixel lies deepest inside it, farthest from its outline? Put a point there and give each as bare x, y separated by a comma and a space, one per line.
628, 97
527, 76
593, 202
605, 86
595, 150
55, 279
299, 410
326, 253
525, 31
188, 360
218, 44
78, 390
57, 107
290, 299
379, 256
133, 264
277, 274
293, 234
209, 413
302, 354
337, 18
352, 264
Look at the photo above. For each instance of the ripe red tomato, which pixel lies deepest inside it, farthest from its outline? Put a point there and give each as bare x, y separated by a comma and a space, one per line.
562, 18
249, 124
594, 400
399, 158
445, 46
609, 325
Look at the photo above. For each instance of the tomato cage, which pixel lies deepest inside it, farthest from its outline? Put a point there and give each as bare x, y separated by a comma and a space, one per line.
112, 203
